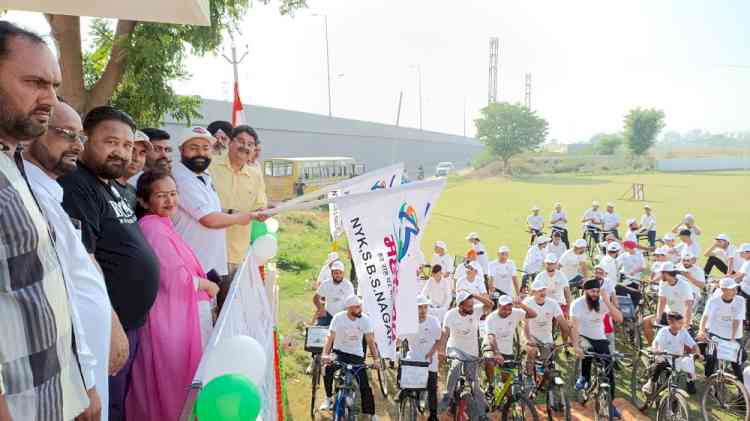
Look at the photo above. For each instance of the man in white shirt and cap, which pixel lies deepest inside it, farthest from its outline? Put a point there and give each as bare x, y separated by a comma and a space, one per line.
538, 331
559, 221
688, 223
648, 225
611, 263
694, 275
344, 343
573, 263
722, 255
556, 246
325, 270
534, 261
439, 291
330, 296
673, 255
482, 258
534, 223
632, 233
675, 294
500, 329
722, 319
472, 282
441, 257
687, 244
611, 221
592, 221
503, 274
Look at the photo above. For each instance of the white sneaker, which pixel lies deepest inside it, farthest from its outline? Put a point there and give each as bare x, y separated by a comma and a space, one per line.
327, 404
374, 418
648, 387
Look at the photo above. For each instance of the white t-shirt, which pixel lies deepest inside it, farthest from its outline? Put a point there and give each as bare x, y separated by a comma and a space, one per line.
697, 273
335, 294
610, 220
721, 315
555, 285
439, 293
534, 260
693, 248
464, 330
535, 221
557, 218
445, 261
349, 333
593, 216
502, 274
630, 263
556, 249
590, 322
676, 295
422, 342
612, 267
540, 327
673, 254
476, 286
665, 341
648, 222
631, 236
570, 263
482, 257
503, 328
608, 286
745, 270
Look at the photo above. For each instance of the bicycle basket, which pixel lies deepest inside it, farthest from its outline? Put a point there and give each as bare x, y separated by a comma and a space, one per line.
315, 338
626, 307
727, 350
414, 375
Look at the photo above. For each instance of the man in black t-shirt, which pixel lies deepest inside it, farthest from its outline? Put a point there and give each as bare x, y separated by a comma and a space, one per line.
110, 231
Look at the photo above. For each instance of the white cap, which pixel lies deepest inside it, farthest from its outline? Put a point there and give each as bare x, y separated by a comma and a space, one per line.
332, 257
337, 265
535, 208
613, 247
610, 205
557, 205
503, 249
669, 237
538, 284
602, 267
667, 267
580, 243
474, 265
352, 301
686, 255
550, 258
462, 296
196, 132
661, 251
504, 300
631, 221
422, 300
722, 237
689, 217
542, 239
594, 203
646, 206
143, 137
472, 236
441, 244
745, 248
726, 283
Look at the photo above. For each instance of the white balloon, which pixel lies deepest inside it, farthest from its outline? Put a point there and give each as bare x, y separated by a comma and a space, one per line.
237, 355
265, 248
272, 225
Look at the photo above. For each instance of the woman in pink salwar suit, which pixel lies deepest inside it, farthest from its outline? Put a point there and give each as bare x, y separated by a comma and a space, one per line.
170, 341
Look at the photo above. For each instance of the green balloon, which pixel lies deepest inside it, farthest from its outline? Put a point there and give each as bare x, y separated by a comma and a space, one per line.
258, 229
231, 397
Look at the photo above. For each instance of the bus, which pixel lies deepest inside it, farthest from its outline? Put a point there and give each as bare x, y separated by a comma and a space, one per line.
290, 177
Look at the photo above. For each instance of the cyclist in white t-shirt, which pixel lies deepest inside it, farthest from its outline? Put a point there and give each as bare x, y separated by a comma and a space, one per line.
503, 274
348, 329
330, 296
673, 255
534, 261
648, 225
558, 288
441, 257
534, 224
587, 313
460, 339
559, 222
482, 258
500, 328
631, 234
632, 265
688, 244
688, 223
722, 255
611, 221
694, 275
673, 339
573, 263
722, 318
472, 283
675, 294
592, 221
556, 246
538, 331
439, 292
325, 270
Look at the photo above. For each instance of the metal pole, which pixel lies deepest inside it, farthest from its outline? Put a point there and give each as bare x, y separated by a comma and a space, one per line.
234, 61
398, 110
419, 72
464, 112
328, 66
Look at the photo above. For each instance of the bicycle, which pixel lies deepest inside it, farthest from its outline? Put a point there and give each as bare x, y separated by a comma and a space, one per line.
672, 399
509, 396
724, 396
314, 341
346, 390
547, 379
464, 406
599, 390
630, 328
592, 235
410, 396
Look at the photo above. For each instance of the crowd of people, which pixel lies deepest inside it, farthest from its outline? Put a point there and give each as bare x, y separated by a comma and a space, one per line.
115, 259
472, 307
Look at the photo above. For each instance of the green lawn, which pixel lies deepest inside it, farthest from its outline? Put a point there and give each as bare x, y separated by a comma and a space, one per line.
497, 209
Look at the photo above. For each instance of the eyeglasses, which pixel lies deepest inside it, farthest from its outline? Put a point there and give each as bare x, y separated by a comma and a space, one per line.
70, 135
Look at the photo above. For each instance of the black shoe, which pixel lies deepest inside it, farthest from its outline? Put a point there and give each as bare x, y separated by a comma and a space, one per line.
691, 388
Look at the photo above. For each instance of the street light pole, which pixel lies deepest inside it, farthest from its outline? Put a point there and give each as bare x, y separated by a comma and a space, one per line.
419, 81
234, 61
328, 61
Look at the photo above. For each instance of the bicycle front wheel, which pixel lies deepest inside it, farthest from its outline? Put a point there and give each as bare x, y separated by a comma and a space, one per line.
603, 406
673, 408
558, 404
382, 379
519, 410
407, 410
725, 398
315, 383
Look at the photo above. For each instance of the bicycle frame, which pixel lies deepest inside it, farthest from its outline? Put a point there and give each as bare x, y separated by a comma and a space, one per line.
346, 393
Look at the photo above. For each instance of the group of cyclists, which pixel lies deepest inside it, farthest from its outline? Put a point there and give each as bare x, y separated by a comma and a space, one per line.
482, 315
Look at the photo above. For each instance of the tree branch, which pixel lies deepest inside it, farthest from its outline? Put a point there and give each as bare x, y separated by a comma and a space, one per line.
67, 32
115, 69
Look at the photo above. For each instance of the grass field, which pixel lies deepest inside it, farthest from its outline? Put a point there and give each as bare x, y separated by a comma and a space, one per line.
497, 209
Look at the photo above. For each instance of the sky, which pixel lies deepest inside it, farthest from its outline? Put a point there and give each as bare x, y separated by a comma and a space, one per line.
590, 61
